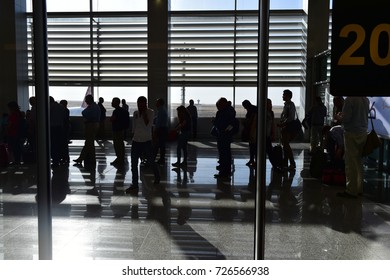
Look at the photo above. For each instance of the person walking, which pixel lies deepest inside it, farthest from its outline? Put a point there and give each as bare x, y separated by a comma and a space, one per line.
91, 116
120, 122
354, 118
270, 134
289, 114
142, 142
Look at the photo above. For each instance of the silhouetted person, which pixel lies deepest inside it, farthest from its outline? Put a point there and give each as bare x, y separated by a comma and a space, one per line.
32, 126
183, 129
249, 132
91, 116
66, 139
57, 131
102, 122
120, 122
223, 122
288, 115
270, 133
354, 118
126, 107
316, 116
142, 142
194, 118
13, 131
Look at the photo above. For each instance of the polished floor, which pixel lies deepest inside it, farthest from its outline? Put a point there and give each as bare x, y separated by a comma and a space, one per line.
192, 215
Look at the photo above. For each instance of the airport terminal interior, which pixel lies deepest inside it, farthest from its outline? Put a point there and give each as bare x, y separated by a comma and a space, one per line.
198, 50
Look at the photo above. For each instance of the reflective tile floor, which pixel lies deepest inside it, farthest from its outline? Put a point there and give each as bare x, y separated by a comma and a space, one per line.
191, 215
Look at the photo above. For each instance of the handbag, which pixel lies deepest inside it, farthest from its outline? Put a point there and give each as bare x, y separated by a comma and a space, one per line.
294, 126
373, 142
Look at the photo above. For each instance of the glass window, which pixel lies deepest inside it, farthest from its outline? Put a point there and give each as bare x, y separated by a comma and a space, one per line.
120, 5
98, 5
28, 6
286, 4
204, 98
67, 6
130, 94
185, 5
75, 96
248, 4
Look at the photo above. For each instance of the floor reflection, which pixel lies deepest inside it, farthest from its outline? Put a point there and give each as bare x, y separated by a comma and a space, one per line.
190, 214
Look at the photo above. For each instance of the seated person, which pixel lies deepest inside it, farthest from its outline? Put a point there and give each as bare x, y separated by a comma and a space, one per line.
335, 145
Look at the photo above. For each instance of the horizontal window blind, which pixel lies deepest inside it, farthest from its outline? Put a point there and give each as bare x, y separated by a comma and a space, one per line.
115, 54
205, 49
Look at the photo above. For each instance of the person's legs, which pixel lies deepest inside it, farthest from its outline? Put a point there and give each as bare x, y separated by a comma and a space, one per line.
115, 142
119, 146
354, 143
148, 150
286, 137
179, 147
225, 157
14, 143
162, 140
88, 151
268, 149
252, 151
56, 144
186, 136
135, 154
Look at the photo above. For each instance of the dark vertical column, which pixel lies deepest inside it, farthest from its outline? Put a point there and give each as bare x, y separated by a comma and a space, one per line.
13, 54
91, 47
43, 130
317, 41
157, 50
262, 93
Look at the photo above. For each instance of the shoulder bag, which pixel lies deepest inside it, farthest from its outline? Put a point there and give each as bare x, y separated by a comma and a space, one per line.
373, 142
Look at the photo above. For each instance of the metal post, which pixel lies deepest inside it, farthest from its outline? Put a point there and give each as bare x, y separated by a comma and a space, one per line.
43, 130
91, 46
235, 53
262, 93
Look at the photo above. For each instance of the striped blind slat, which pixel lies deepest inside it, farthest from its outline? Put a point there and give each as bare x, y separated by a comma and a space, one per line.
204, 49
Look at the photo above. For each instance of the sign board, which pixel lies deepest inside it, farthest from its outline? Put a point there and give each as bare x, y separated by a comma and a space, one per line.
360, 55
